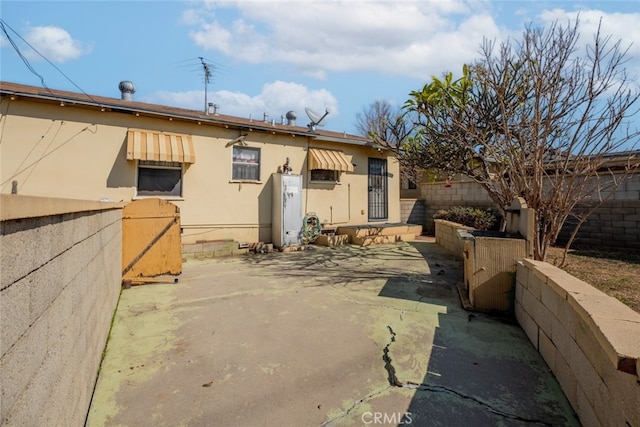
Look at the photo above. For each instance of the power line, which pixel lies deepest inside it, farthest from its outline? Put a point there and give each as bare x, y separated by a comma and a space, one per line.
3, 23
20, 55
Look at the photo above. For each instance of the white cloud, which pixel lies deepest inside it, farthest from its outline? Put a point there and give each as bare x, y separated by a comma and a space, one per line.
622, 27
54, 43
396, 38
409, 39
275, 99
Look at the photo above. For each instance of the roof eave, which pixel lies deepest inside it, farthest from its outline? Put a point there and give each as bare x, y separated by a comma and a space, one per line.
216, 120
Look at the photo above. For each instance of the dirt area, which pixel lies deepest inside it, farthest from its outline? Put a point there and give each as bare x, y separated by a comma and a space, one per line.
614, 272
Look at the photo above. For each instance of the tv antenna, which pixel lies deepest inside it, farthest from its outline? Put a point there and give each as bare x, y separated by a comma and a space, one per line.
207, 75
316, 119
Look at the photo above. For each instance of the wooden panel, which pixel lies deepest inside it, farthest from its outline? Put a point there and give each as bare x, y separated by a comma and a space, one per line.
151, 243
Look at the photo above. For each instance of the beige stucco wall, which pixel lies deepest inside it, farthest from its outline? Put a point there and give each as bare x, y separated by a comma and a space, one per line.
59, 287
75, 153
588, 339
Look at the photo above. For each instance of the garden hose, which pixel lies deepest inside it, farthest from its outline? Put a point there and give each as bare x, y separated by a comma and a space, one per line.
311, 227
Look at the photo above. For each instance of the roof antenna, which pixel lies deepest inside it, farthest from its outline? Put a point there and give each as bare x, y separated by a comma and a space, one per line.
207, 75
316, 119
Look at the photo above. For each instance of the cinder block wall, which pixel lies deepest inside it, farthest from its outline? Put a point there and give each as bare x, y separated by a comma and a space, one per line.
60, 283
589, 340
412, 211
615, 224
447, 236
438, 196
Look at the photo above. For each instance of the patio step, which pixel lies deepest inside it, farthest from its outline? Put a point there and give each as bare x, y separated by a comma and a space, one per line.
213, 249
380, 230
375, 234
332, 240
382, 239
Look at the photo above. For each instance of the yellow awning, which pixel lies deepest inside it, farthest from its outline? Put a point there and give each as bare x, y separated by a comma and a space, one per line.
159, 146
329, 159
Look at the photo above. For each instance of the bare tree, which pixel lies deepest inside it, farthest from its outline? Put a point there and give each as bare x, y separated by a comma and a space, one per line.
535, 119
387, 127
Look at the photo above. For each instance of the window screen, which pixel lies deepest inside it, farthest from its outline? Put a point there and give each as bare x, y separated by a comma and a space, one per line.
246, 163
159, 179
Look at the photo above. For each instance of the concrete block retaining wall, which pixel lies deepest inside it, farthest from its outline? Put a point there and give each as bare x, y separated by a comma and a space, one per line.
589, 340
447, 236
61, 278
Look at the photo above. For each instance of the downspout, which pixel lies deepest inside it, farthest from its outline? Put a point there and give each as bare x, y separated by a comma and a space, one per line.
349, 202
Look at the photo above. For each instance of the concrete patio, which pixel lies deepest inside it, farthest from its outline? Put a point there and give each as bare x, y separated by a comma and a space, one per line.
328, 336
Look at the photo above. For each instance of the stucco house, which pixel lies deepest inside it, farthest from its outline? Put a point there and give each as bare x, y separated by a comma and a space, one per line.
219, 170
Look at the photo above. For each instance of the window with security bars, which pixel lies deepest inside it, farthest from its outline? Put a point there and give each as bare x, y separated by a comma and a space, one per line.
246, 164
161, 179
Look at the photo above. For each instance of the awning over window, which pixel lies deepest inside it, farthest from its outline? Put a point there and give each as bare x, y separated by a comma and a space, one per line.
329, 159
159, 146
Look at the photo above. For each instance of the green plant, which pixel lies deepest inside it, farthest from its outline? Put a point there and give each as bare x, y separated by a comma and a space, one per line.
481, 219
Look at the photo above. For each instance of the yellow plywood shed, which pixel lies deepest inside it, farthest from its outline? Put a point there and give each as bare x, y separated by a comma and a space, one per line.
151, 244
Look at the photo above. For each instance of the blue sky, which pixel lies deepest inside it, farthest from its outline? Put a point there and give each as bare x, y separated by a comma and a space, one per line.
275, 56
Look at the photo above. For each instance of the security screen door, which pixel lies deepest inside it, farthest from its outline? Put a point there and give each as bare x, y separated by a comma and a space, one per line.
378, 207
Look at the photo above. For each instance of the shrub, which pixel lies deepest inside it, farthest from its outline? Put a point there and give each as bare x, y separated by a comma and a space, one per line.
481, 219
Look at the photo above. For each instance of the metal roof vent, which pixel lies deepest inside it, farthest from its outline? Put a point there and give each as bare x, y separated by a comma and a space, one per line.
291, 118
127, 90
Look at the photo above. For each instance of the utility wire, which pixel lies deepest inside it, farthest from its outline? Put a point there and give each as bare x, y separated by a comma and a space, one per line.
17, 49
3, 23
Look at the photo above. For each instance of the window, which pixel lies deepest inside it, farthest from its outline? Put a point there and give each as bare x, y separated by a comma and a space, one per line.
407, 184
325, 175
246, 164
159, 178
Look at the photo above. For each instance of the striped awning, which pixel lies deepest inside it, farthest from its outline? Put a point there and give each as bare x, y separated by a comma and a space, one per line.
329, 159
159, 146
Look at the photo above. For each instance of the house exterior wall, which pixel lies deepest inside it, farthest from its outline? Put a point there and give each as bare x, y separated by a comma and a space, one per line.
74, 152
61, 278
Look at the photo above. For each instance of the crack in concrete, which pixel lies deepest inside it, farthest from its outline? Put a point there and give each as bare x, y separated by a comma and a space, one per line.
395, 382
355, 405
388, 366
443, 389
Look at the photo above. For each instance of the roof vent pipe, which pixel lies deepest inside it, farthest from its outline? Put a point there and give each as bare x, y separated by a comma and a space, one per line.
265, 117
127, 89
291, 118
